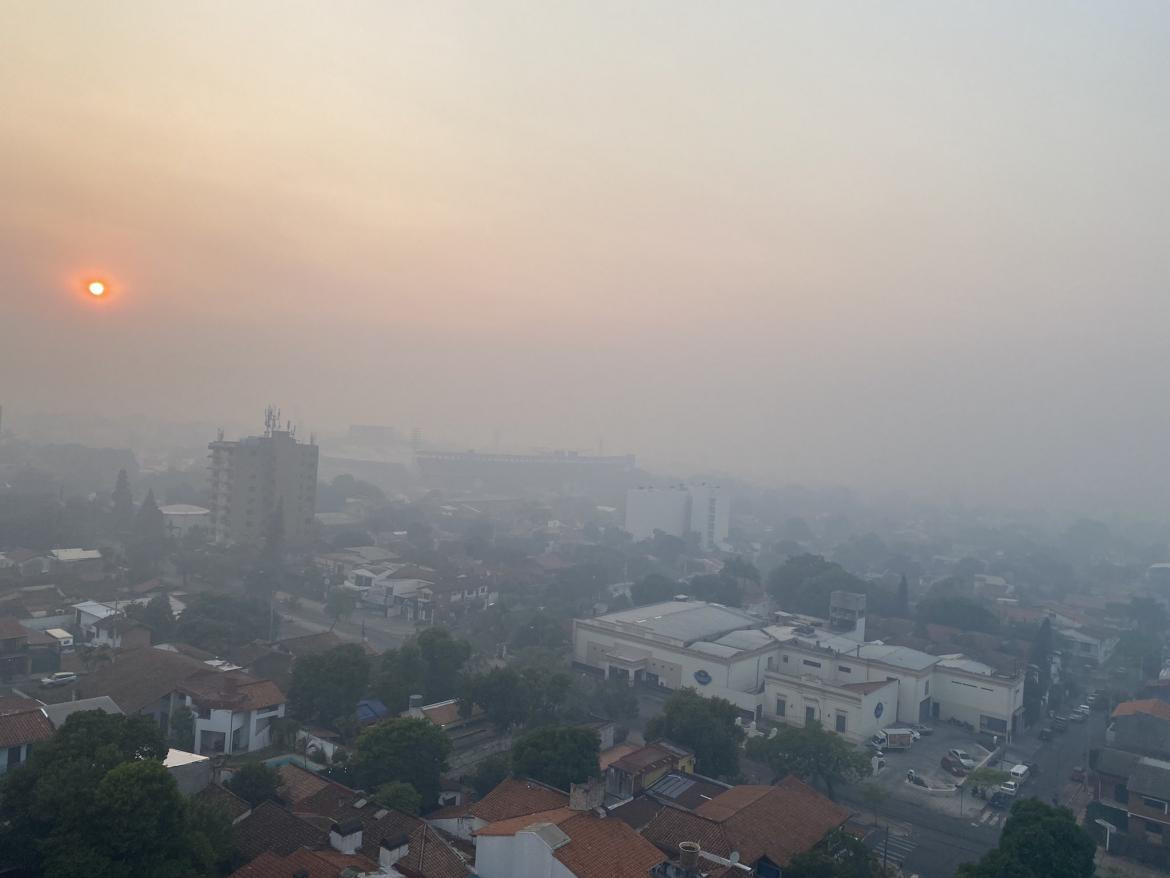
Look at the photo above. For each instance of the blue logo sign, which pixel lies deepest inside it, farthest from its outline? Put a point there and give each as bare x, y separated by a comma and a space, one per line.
877, 711
702, 678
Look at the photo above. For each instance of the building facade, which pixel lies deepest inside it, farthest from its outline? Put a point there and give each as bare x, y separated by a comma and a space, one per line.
262, 482
678, 510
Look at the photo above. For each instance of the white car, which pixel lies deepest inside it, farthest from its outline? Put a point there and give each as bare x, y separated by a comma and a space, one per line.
61, 678
962, 757
1009, 787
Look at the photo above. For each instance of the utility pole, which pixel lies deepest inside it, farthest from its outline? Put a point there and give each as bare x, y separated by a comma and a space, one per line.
886, 848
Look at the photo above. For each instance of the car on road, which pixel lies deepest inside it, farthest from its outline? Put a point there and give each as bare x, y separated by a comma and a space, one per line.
1078, 716
1008, 788
1059, 723
951, 764
962, 757
999, 800
61, 678
1077, 774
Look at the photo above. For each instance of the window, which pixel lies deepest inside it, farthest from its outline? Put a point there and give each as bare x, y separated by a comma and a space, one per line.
845, 669
810, 714
891, 679
927, 692
992, 724
781, 706
1121, 793
13, 757
810, 664
785, 659
840, 721
1156, 804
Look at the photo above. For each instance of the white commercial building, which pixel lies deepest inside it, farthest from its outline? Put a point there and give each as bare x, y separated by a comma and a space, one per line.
678, 510
182, 518
795, 672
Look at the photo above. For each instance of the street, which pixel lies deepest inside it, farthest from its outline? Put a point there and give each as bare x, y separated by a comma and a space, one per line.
309, 617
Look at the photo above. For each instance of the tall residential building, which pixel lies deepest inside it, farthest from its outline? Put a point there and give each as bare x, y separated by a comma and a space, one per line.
678, 510
256, 478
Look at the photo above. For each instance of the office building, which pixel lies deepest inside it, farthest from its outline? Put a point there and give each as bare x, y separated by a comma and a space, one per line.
678, 510
259, 479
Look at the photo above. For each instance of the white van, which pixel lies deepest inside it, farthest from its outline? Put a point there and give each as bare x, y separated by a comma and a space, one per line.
1019, 774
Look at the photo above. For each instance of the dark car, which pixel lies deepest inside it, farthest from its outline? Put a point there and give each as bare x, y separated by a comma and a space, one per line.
999, 800
1077, 774
1047, 734
1060, 723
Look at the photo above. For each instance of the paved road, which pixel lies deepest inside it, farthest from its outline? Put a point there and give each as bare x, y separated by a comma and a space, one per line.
310, 617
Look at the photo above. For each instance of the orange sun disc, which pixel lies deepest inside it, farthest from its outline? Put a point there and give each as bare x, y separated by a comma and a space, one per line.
97, 288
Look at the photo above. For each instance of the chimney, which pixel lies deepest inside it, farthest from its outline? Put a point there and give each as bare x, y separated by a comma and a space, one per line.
415, 702
346, 836
688, 855
392, 849
586, 796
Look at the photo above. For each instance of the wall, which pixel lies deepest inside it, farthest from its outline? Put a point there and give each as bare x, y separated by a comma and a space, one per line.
858, 708
967, 697
523, 855
4, 758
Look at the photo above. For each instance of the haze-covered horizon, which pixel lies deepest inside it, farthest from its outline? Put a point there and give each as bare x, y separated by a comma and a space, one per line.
900, 246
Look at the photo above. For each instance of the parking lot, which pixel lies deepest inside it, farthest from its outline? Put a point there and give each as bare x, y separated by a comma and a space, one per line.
925, 758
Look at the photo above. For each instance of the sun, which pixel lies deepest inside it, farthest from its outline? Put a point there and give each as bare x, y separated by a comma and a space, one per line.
96, 288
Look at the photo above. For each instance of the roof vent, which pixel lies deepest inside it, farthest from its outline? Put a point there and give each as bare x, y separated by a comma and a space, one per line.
688, 854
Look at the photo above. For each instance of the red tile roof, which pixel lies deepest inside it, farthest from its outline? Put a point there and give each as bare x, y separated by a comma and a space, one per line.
514, 797
777, 822
221, 797
645, 759
1149, 706
430, 856
271, 828
312, 864
597, 847
22, 722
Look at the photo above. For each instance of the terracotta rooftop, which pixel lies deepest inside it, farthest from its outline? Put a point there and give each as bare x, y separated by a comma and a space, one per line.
270, 828
326, 863
11, 629
645, 758
224, 799
1148, 706
231, 690
776, 822
597, 847
22, 722
514, 797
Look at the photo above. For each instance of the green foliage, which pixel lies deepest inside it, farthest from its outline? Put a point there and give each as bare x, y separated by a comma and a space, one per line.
803, 584
653, 588
813, 754
148, 544
490, 772
443, 657
217, 622
156, 615
903, 599
183, 728
716, 587
611, 699
399, 675
529, 696
400, 796
840, 856
540, 630
96, 800
706, 725
340, 604
986, 777
123, 511
957, 612
738, 568
328, 685
558, 756
1038, 841
405, 749
255, 782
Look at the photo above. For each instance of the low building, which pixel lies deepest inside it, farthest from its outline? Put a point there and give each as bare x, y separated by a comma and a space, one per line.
855, 710
86, 616
1090, 644
120, 632
512, 797
566, 842
15, 660
60, 712
763, 826
191, 771
1141, 727
182, 518
23, 724
85, 564
643, 767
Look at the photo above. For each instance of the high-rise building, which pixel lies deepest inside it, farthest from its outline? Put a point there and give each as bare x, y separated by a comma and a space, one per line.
678, 510
260, 479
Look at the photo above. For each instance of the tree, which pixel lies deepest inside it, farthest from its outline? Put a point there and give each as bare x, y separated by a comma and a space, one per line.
400, 674
541, 629
443, 656
123, 511
873, 794
156, 615
340, 604
957, 611
1038, 841
716, 587
653, 588
255, 782
489, 773
405, 749
500, 693
904, 597
400, 796
1039, 676
558, 756
739, 569
706, 725
217, 622
96, 800
149, 542
183, 728
804, 584
840, 856
812, 753
328, 685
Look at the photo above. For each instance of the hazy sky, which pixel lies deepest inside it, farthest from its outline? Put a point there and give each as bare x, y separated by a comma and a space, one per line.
886, 244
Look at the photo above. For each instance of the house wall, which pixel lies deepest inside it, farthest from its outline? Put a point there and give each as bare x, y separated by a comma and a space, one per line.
524, 855
977, 699
4, 766
859, 709
461, 827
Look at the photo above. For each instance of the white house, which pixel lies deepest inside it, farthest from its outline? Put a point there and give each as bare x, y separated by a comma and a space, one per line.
182, 518
85, 563
88, 614
233, 712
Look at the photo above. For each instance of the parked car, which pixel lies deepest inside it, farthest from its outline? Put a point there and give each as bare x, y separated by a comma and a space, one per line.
1077, 774
952, 765
876, 743
1059, 723
962, 757
1000, 800
1078, 716
1008, 788
61, 678
921, 729
1020, 774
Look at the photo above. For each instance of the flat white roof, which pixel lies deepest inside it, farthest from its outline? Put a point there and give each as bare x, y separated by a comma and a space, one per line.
66, 555
182, 757
59, 633
183, 509
686, 621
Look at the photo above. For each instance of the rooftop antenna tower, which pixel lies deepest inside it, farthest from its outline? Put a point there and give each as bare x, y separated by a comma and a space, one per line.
271, 420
